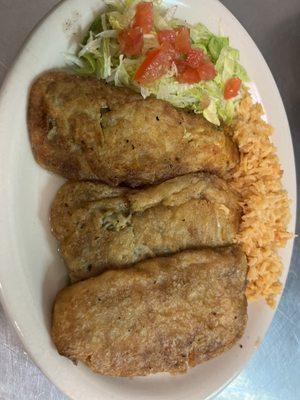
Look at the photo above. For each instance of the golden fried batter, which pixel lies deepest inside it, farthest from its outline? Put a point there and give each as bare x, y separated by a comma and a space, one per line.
161, 315
82, 128
100, 227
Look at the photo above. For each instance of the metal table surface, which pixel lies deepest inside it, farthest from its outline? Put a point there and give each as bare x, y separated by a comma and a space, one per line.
274, 371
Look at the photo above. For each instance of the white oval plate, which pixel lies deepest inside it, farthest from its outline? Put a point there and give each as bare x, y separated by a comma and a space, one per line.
31, 272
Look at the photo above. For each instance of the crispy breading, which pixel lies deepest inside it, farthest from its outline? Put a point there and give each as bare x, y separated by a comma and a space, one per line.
100, 227
82, 128
161, 315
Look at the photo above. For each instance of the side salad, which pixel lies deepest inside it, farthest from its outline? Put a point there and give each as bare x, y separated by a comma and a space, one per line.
141, 45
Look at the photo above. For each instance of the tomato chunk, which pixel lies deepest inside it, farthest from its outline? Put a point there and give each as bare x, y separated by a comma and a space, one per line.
195, 58
232, 88
202, 71
144, 17
156, 64
206, 71
189, 75
143, 71
167, 35
181, 66
131, 41
183, 40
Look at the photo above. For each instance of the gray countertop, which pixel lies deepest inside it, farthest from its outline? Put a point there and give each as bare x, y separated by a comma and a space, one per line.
274, 371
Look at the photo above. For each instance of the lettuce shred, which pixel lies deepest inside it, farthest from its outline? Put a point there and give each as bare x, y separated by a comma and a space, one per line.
99, 55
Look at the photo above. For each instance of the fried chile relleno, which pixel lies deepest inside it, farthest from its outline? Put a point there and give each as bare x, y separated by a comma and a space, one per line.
99, 226
162, 315
82, 128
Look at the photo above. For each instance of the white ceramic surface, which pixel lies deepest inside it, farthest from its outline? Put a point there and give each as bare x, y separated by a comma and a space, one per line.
30, 270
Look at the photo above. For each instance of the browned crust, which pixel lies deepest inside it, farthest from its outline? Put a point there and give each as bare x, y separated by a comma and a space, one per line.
162, 315
83, 149
186, 212
48, 156
56, 157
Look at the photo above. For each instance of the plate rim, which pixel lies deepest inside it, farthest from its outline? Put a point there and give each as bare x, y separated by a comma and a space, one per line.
3, 94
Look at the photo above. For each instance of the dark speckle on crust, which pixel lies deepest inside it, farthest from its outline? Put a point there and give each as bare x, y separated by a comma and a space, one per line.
169, 217
76, 103
126, 325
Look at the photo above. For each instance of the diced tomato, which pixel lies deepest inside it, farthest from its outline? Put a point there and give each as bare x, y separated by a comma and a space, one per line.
180, 65
167, 35
171, 49
232, 88
146, 66
156, 64
195, 58
131, 41
183, 40
206, 71
189, 75
144, 17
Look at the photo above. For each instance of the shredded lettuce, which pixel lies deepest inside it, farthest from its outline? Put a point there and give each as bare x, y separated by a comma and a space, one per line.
215, 46
211, 114
86, 65
120, 75
104, 60
95, 27
228, 65
164, 17
117, 20
203, 97
200, 35
99, 55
